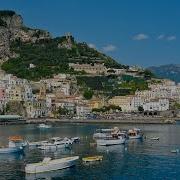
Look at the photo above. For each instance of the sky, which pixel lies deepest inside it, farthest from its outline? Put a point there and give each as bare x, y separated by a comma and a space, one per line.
134, 32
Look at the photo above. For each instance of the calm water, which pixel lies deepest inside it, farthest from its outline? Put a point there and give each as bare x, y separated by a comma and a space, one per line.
135, 160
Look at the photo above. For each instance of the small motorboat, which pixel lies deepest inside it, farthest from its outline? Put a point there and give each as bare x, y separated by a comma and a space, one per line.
75, 139
44, 126
51, 165
112, 140
175, 151
154, 138
135, 133
92, 158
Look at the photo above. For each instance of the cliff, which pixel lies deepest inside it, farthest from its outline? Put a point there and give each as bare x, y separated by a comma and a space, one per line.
11, 29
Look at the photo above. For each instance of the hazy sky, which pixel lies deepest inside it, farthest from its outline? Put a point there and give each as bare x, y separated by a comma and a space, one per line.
142, 32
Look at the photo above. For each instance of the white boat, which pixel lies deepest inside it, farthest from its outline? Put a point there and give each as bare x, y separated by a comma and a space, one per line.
103, 133
51, 165
37, 143
44, 126
75, 139
56, 143
113, 140
135, 133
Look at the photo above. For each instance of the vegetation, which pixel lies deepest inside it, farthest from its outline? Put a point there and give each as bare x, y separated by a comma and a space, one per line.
6, 13
104, 109
88, 94
140, 109
50, 59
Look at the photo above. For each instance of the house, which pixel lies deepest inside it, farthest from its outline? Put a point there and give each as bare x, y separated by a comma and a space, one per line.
82, 110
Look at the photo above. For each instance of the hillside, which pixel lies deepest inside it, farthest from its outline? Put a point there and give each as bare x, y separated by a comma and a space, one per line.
170, 71
33, 54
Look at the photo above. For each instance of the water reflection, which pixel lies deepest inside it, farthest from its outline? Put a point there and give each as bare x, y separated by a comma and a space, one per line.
111, 149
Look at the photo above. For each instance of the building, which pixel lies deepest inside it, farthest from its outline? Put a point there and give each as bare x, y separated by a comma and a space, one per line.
122, 101
82, 110
156, 105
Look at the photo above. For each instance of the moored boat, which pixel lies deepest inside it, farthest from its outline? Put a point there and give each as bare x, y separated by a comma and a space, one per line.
8, 150
135, 133
113, 140
44, 126
92, 158
50, 165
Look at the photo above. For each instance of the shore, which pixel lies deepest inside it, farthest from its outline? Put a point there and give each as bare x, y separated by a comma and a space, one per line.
147, 120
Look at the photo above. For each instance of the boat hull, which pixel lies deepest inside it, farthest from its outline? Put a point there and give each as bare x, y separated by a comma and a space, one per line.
52, 166
105, 142
11, 150
136, 137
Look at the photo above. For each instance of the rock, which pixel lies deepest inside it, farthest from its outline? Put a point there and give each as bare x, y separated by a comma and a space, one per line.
12, 28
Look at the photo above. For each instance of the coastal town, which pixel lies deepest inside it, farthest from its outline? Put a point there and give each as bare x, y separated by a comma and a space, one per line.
61, 96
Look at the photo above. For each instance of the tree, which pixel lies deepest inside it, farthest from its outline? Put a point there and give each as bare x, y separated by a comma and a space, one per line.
88, 94
140, 109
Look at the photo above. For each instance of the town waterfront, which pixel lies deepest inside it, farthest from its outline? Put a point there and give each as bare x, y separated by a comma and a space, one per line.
144, 159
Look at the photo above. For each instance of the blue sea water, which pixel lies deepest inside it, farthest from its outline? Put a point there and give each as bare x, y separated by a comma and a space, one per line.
136, 159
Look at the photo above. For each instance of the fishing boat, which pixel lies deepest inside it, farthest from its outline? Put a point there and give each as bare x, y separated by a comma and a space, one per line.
8, 150
92, 158
36, 144
135, 133
51, 165
44, 126
112, 140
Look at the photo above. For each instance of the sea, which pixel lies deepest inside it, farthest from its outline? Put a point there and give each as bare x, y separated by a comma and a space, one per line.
137, 159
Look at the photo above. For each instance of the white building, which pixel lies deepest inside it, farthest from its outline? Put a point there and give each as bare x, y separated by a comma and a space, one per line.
156, 105
82, 110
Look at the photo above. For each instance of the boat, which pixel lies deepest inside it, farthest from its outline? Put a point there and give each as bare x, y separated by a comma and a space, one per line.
51, 165
56, 143
36, 144
154, 138
113, 140
44, 126
17, 141
16, 144
103, 133
92, 158
175, 151
75, 139
135, 133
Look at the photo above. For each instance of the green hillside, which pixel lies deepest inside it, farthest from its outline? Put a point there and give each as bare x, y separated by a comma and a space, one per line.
52, 57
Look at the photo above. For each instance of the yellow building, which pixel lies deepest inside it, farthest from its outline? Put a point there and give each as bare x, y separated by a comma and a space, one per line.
96, 103
16, 93
122, 101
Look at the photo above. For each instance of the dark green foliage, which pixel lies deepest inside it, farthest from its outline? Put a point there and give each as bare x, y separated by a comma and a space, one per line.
49, 59
7, 13
88, 94
2, 23
140, 109
107, 109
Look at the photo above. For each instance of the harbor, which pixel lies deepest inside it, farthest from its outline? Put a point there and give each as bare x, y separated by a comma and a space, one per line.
159, 146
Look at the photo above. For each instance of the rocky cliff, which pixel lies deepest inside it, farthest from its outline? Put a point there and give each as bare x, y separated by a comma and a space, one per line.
12, 28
